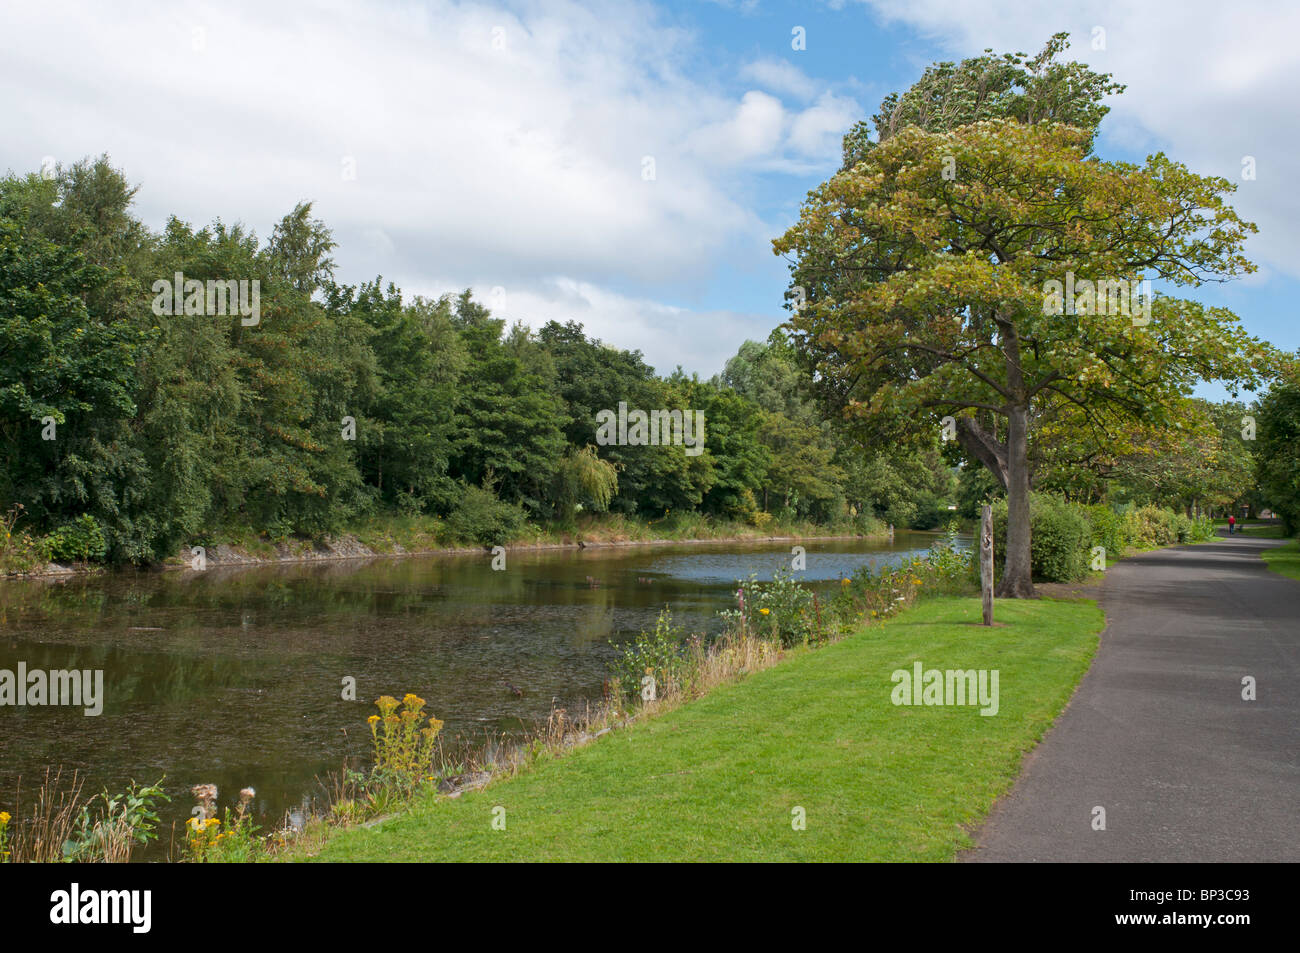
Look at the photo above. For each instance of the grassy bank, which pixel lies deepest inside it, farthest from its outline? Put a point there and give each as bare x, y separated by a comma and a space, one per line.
718, 778
1284, 559
397, 534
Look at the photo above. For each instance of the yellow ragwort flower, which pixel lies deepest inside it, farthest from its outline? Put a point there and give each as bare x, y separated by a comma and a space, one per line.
765, 611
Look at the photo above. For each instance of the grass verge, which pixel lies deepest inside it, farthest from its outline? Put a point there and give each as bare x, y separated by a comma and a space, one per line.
718, 778
1284, 559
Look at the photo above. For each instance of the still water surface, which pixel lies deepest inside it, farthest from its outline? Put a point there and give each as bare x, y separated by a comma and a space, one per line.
234, 676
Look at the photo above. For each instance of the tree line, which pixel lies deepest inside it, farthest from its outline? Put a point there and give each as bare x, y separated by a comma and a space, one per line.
131, 430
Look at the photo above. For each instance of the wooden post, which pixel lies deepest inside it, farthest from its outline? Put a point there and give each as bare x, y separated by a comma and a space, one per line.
986, 561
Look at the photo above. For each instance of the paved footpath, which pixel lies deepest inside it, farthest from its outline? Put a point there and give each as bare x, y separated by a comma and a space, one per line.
1158, 733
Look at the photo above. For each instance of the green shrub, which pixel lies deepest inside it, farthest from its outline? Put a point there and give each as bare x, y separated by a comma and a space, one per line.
663, 654
781, 610
479, 517
80, 540
900, 515
1059, 538
930, 514
1150, 526
1107, 529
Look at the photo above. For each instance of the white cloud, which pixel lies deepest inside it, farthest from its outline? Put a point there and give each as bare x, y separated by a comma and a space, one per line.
819, 129
485, 141
779, 76
753, 131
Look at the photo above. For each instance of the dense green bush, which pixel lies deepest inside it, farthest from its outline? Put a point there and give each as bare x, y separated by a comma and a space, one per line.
479, 517
1107, 529
80, 540
1149, 526
900, 514
930, 514
1064, 533
1060, 538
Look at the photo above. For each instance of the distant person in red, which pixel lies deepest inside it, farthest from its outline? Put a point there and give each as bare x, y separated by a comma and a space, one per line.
1232, 521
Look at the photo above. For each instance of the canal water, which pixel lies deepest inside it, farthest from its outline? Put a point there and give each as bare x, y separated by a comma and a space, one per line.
235, 676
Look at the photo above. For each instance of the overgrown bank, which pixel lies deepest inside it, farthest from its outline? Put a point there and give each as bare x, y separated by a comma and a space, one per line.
397, 535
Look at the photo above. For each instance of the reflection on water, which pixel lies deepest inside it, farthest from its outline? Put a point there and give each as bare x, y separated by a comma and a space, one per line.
235, 676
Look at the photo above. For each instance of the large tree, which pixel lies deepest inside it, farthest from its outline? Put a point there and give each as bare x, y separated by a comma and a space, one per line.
924, 275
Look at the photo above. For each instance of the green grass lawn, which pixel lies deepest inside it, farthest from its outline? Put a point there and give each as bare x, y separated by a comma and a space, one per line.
1262, 530
1284, 559
717, 779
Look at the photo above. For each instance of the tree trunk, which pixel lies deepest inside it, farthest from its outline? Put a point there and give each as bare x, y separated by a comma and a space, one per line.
1017, 582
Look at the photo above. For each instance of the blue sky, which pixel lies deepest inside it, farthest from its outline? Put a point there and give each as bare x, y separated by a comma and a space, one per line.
503, 146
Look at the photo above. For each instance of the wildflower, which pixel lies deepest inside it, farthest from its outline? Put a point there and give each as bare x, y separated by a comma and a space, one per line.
373, 720
246, 795
4, 818
765, 611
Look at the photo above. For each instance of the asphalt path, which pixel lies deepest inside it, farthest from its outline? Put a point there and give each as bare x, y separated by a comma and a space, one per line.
1158, 733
